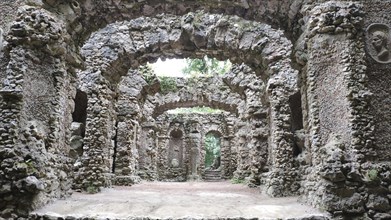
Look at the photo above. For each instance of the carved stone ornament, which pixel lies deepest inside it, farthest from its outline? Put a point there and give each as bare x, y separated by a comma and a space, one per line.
379, 43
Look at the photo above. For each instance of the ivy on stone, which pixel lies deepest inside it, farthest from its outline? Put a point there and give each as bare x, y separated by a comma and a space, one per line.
167, 84
148, 73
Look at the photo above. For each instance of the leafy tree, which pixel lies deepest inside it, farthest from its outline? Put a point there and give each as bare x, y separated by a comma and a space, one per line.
206, 67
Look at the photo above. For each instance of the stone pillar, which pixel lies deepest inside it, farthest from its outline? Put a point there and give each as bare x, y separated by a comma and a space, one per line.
35, 113
281, 180
338, 130
163, 162
194, 154
125, 154
243, 161
98, 146
226, 154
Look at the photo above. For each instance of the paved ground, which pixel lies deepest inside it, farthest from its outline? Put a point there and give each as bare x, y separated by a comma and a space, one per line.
196, 200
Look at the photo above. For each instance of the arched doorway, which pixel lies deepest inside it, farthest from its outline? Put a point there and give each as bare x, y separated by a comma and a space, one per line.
212, 157
212, 145
251, 44
256, 39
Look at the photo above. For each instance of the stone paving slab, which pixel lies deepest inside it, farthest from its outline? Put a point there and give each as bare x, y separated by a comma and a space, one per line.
188, 200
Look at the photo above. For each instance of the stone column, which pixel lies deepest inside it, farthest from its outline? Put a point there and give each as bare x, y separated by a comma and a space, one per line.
35, 113
98, 142
281, 180
125, 156
226, 155
336, 101
163, 163
194, 154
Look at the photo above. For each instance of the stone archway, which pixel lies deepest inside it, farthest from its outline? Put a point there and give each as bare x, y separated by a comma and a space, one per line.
212, 159
211, 92
43, 43
128, 45
54, 52
83, 17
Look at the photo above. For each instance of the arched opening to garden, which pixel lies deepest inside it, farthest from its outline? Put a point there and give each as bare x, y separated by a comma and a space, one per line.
244, 91
212, 150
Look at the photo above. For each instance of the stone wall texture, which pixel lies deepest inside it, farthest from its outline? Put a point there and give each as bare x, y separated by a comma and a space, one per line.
307, 101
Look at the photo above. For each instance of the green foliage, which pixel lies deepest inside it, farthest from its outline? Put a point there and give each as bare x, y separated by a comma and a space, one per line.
91, 189
212, 148
148, 73
89, 186
372, 175
27, 166
195, 110
206, 67
236, 180
167, 84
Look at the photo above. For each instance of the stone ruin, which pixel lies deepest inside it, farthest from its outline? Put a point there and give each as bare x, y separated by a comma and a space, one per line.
306, 104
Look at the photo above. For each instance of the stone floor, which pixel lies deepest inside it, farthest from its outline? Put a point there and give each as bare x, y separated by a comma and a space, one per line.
189, 200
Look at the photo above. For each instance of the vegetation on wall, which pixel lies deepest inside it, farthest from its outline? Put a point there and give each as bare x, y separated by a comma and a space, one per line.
167, 84
148, 73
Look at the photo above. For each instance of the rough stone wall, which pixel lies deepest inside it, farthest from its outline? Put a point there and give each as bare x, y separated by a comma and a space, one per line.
343, 126
95, 80
379, 79
131, 91
35, 91
8, 13
252, 128
94, 15
208, 91
340, 123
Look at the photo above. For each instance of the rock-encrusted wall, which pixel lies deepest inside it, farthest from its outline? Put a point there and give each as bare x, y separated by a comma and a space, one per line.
343, 166
8, 13
131, 93
377, 19
340, 123
37, 102
252, 128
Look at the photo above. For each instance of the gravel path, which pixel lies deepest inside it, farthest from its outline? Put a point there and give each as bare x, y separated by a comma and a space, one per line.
196, 200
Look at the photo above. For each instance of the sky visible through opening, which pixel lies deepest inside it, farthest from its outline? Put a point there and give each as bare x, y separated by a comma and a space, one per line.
169, 67
195, 67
